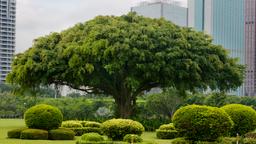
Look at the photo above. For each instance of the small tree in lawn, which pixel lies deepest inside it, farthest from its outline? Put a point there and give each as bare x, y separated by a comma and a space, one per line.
125, 55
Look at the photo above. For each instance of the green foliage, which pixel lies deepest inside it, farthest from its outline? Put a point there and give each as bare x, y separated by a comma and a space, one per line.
167, 131
71, 124
43, 117
244, 118
169, 126
165, 103
132, 138
123, 56
93, 124
84, 130
118, 128
34, 134
61, 134
100, 142
180, 141
202, 123
95, 137
166, 134
15, 133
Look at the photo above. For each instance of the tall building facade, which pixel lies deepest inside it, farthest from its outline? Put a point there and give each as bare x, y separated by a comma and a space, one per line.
7, 36
232, 24
169, 11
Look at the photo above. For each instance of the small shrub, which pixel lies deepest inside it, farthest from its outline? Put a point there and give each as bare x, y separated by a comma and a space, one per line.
43, 117
132, 138
34, 134
166, 134
15, 133
249, 141
167, 127
71, 124
100, 142
92, 137
61, 134
181, 141
244, 118
202, 123
118, 128
84, 130
93, 124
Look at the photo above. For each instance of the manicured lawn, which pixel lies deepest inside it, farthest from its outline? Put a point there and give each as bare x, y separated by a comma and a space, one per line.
9, 124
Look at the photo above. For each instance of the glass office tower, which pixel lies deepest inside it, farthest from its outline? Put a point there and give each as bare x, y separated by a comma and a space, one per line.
7, 36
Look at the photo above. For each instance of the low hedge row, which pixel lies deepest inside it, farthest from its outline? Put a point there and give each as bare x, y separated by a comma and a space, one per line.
84, 130
225, 140
38, 134
166, 134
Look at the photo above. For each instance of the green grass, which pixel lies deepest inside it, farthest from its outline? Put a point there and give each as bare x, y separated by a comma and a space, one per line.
9, 124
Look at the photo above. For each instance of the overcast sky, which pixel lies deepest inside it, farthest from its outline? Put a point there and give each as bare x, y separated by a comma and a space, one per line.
40, 17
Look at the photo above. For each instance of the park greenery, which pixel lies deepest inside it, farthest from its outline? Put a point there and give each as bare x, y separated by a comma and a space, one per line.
123, 56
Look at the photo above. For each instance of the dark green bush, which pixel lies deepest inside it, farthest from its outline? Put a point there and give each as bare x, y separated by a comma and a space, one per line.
132, 138
244, 118
93, 124
92, 137
166, 134
84, 130
34, 134
43, 117
61, 134
118, 128
15, 133
71, 124
202, 123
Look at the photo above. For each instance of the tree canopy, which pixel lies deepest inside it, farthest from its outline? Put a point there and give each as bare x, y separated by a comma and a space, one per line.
125, 55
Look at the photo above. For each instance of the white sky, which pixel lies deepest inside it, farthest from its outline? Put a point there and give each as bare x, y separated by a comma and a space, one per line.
40, 17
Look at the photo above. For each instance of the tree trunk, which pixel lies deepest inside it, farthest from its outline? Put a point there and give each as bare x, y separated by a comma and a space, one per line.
125, 106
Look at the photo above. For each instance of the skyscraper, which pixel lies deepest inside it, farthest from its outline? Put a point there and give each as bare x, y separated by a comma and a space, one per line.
169, 11
7, 36
231, 23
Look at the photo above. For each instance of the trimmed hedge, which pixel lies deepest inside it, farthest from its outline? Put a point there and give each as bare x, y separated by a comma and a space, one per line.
202, 123
15, 133
169, 126
116, 129
166, 134
93, 124
181, 141
71, 124
100, 142
95, 137
84, 130
132, 138
61, 134
34, 134
43, 117
244, 118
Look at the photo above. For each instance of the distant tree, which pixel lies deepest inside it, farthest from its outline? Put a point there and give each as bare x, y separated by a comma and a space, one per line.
124, 56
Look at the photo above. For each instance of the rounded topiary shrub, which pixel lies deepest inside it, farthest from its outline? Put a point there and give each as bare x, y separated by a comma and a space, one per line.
61, 134
43, 117
118, 128
132, 138
71, 124
34, 134
244, 118
167, 131
202, 123
15, 133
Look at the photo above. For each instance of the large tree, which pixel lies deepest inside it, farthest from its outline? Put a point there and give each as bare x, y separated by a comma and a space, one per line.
124, 56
